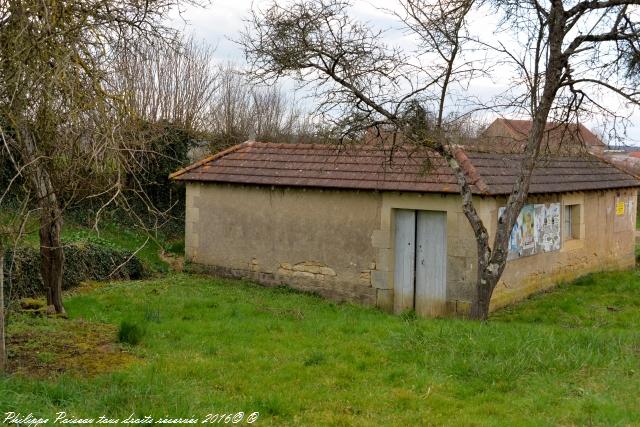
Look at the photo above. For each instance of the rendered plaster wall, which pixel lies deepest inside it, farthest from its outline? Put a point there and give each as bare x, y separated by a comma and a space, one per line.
606, 242
340, 244
314, 240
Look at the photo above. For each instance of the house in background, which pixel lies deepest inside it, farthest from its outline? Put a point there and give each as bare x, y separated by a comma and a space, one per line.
558, 137
385, 227
625, 157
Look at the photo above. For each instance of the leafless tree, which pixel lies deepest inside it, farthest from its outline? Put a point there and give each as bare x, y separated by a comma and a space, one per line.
3, 345
173, 84
183, 87
11, 231
241, 109
561, 59
61, 120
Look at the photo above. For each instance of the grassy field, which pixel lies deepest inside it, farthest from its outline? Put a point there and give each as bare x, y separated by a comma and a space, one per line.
570, 357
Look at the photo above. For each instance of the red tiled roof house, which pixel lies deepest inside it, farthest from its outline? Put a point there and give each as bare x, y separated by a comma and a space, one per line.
557, 136
385, 227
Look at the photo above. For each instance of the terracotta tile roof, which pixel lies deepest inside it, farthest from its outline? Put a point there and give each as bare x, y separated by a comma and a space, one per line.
368, 167
556, 134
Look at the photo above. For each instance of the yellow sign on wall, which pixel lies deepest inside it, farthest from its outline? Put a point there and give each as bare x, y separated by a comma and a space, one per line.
620, 208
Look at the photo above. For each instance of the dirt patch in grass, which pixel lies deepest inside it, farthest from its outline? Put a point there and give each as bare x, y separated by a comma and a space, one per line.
44, 348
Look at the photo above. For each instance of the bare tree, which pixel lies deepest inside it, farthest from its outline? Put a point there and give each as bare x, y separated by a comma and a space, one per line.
230, 119
168, 91
565, 58
61, 119
182, 87
172, 84
3, 345
241, 109
11, 230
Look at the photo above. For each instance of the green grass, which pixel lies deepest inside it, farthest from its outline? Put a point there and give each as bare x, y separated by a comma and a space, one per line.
570, 357
130, 333
595, 301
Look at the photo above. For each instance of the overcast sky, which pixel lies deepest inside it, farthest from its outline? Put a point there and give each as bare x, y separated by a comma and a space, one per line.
222, 20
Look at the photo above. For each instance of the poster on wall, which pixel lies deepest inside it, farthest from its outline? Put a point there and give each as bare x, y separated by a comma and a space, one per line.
536, 230
547, 224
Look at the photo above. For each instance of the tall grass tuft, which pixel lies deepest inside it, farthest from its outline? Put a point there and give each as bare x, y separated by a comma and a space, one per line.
130, 333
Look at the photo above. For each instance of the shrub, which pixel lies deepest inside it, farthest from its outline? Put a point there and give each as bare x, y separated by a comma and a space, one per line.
83, 261
130, 333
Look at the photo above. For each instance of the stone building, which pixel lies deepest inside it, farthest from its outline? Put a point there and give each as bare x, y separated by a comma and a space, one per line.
385, 227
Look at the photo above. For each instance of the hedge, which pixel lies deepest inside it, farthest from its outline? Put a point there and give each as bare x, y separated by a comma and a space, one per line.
83, 261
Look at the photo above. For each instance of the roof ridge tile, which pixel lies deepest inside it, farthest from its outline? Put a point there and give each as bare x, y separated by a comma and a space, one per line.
468, 167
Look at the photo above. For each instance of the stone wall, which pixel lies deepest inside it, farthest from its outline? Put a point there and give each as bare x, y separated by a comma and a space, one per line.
313, 240
607, 242
461, 245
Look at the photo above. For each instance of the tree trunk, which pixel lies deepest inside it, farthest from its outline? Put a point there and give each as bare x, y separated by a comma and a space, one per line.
484, 289
3, 348
480, 304
492, 261
52, 254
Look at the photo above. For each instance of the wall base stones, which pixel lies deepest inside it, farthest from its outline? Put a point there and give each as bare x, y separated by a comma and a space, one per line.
308, 277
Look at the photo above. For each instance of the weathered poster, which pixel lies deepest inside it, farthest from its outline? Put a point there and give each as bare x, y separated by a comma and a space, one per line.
547, 225
527, 231
536, 230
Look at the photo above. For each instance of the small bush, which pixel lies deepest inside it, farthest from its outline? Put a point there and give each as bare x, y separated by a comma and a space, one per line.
130, 333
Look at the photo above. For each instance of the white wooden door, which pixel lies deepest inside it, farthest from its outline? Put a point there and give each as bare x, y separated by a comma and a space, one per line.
431, 263
405, 255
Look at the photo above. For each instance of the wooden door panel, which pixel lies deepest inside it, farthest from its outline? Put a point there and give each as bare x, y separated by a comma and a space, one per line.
404, 275
431, 263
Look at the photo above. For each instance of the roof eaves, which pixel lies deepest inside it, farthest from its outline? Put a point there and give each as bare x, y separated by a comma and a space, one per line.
213, 157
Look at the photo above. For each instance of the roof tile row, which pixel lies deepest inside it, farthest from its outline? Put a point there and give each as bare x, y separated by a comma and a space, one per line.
370, 167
